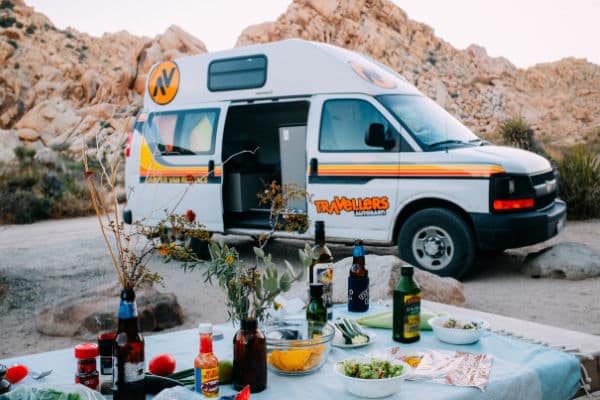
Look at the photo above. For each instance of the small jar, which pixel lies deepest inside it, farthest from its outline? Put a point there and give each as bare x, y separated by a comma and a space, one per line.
87, 372
105, 347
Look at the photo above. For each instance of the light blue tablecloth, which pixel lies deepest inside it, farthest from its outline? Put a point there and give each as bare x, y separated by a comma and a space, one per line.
520, 370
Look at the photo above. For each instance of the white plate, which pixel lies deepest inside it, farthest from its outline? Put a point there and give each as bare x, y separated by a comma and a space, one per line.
372, 337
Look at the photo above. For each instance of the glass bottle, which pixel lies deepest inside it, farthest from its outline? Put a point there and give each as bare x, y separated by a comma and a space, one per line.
321, 268
316, 312
249, 357
358, 280
128, 352
206, 365
407, 308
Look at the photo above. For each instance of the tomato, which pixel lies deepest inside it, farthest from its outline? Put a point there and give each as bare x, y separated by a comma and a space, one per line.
162, 364
16, 373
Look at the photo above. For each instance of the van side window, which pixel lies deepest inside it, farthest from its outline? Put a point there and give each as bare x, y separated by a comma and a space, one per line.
187, 132
344, 124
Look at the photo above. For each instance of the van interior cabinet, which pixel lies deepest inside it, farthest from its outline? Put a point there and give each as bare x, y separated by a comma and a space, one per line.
292, 142
242, 189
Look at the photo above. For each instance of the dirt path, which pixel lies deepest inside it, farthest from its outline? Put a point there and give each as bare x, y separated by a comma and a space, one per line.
40, 264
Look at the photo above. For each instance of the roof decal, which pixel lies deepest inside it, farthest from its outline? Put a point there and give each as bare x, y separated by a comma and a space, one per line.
164, 82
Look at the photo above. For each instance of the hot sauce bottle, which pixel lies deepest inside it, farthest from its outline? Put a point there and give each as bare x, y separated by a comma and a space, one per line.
206, 365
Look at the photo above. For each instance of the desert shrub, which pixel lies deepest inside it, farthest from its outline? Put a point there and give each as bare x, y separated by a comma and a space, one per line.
6, 4
30, 29
31, 190
6, 21
580, 182
516, 132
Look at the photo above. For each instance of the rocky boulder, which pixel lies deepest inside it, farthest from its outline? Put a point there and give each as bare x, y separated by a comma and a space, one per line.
384, 272
98, 312
8, 143
567, 260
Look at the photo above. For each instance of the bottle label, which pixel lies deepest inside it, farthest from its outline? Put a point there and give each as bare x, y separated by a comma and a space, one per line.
358, 293
106, 365
127, 310
412, 315
323, 273
133, 372
207, 381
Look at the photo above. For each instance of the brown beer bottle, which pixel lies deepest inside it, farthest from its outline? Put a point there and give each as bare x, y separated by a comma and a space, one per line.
358, 280
128, 352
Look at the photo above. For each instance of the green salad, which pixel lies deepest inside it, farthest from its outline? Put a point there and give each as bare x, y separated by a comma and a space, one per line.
373, 369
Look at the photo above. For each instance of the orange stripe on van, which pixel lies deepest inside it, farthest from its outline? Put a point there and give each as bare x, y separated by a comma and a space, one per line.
412, 170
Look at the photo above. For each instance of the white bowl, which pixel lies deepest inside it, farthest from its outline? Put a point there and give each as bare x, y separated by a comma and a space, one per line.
372, 388
455, 335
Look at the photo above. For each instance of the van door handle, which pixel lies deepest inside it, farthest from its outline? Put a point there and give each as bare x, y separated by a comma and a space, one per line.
314, 167
211, 168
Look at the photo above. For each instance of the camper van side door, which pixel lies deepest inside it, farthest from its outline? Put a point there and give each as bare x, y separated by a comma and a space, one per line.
353, 155
180, 165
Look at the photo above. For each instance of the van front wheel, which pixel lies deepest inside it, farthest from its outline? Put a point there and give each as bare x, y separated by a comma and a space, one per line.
437, 240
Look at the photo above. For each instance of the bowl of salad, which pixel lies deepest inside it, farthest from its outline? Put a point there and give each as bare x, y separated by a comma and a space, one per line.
372, 377
458, 330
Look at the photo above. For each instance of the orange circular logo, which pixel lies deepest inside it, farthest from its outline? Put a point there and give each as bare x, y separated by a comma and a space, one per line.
378, 78
164, 82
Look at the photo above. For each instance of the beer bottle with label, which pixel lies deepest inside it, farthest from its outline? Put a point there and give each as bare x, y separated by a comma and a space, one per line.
407, 308
206, 365
128, 352
321, 269
358, 280
316, 313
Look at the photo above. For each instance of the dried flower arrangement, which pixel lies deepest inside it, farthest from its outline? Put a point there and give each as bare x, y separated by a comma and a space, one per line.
128, 246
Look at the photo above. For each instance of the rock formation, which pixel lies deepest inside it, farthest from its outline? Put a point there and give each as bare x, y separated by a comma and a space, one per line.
61, 88
561, 100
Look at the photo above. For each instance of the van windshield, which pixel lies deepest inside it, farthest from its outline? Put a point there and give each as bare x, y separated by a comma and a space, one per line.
431, 125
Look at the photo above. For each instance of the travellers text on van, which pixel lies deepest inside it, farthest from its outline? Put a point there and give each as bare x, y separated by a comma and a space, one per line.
361, 206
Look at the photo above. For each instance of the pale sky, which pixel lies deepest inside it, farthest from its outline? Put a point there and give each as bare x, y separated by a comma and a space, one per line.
524, 31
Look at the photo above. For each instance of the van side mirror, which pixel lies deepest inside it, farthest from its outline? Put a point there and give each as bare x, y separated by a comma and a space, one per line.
376, 137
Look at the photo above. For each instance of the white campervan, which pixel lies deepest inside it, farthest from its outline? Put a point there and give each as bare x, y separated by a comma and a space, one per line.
383, 162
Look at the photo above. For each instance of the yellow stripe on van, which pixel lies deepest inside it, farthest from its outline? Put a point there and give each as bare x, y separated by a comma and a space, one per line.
150, 167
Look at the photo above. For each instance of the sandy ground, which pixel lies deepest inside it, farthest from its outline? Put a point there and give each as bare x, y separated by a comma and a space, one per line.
42, 263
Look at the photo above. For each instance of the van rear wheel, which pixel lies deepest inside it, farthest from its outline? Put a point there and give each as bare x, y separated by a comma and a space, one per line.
438, 241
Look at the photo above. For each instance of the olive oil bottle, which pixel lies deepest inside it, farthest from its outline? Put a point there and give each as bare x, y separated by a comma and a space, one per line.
321, 269
407, 308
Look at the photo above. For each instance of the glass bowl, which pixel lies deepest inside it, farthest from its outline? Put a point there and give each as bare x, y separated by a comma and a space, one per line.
297, 348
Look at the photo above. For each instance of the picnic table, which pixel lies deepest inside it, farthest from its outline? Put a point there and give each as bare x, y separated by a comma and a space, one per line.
520, 369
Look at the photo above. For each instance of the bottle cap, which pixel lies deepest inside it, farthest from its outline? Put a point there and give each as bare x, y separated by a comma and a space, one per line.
204, 328
86, 351
407, 271
105, 344
316, 289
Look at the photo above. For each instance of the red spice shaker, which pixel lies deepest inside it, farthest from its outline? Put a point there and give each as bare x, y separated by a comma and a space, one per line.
87, 372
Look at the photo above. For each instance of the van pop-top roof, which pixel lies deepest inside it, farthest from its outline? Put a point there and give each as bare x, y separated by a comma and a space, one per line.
280, 69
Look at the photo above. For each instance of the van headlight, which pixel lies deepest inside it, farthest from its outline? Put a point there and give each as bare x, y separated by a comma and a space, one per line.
511, 193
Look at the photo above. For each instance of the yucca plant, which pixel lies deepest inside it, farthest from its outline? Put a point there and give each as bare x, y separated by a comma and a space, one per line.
580, 182
516, 132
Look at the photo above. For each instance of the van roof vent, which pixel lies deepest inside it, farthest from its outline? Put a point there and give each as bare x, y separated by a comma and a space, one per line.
237, 73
